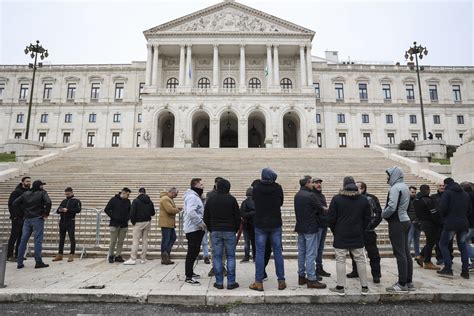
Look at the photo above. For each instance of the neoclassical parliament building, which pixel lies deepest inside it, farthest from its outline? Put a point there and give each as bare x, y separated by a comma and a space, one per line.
233, 76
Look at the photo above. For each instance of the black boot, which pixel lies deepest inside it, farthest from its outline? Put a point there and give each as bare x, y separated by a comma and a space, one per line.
111, 259
40, 265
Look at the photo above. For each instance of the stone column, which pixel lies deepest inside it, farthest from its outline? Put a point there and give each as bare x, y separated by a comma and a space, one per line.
242, 69
276, 66
154, 81
215, 69
214, 133
149, 61
188, 66
182, 57
269, 66
309, 66
302, 66
243, 136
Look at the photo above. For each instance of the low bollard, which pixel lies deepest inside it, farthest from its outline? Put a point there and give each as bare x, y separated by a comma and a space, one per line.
3, 263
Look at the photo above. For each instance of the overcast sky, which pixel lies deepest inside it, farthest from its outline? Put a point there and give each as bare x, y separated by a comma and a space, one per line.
107, 31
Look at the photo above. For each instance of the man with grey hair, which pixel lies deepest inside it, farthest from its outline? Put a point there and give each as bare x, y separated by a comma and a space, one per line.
167, 222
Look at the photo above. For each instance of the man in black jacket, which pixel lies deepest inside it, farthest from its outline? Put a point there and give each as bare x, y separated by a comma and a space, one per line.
323, 224
36, 205
349, 216
455, 208
140, 216
118, 209
468, 187
222, 218
370, 236
68, 209
247, 212
436, 198
430, 224
308, 210
268, 198
16, 216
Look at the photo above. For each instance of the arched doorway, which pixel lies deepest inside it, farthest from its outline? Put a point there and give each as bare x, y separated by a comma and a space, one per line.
200, 129
257, 130
291, 130
229, 137
166, 123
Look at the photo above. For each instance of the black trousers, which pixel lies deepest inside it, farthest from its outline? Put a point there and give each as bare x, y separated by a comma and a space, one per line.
370, 244
69, 227
268, 251
15, 237
194, 246
432, 234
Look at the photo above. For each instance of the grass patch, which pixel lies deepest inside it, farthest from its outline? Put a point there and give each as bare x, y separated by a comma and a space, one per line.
5, 157
441, 161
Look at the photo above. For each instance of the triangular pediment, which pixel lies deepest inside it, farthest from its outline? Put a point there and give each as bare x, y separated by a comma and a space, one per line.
229, 17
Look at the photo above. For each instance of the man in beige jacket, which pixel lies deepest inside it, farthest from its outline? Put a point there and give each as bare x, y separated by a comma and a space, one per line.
167, 222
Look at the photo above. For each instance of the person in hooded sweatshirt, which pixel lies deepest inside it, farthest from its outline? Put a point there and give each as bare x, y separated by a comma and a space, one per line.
222, 218
17, 218
268, 198
455, 208
395, 212
141, 211
36, 205
118, 209
247, 212
349, 216
468, 187
67, 210
194, 227
167, 222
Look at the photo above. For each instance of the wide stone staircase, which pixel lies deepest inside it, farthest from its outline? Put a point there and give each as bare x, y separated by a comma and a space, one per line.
97, 174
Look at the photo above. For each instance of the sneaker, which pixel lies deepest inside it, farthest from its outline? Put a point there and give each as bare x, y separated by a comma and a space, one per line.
245, 259
397, 288
232, 286
143, 261
192, 281
352, 275
339, 290
207, 261
211, 273
321, 272
111, 259
130, 262
40, 265
196, 276
465, 274
219, 286
119, 259
445, 273
364, 290
20, 266
411, 286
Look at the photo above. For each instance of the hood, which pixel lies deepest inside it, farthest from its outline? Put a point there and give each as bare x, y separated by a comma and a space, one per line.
144, 198
268, 176
162, 194
350, 190
454, 186
395, 175
190, 192
249, 191
223, 186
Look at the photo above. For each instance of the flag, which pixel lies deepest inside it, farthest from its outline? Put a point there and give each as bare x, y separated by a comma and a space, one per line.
266, 71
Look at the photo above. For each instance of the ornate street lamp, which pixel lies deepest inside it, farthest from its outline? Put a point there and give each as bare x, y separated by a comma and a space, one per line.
418, 51
34, 50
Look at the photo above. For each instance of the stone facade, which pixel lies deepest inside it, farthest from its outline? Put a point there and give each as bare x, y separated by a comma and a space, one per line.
233, 76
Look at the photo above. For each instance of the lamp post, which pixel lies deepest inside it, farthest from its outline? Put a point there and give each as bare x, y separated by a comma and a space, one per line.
418, 51
34, 50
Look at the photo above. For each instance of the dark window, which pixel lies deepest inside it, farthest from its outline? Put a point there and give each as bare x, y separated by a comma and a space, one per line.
90, 139
139, 118
391, 138
229, 83
339, 91
116, 118
48, 89
141, 86
460, 119
255, 83
68, 118
433, 92
172, 84
457, 92
439, 136
317, 90
92, 118
95, 91
363, 95
365, 118
342, 140
42, 136
138, 139
119, 90
414, 136
24, 91
115, 139
387, 93
18, 135
286, 84
412, 119
2, 90
367, 140
410, 90
44, 118
341, 118
436, 119
71, 91
319, 140
204, 83
318, 118
389, 119
66, 137
20, 117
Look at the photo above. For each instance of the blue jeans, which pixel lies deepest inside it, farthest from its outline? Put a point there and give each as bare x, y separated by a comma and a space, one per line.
308, 245
205, 245
470, 249
261, 236
168, 237
35, 226
446, 237
414, 237
322, 242
221, 240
